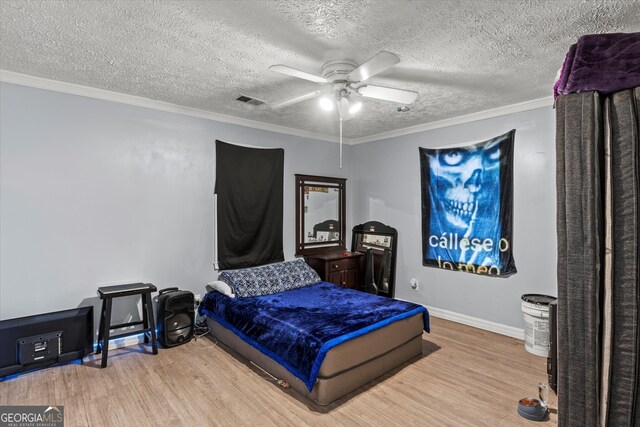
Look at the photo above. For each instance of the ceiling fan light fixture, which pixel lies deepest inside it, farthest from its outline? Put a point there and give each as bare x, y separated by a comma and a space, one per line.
347, 78
326, 103
355, 107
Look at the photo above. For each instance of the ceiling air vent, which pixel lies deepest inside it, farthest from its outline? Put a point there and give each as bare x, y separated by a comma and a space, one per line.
249, 100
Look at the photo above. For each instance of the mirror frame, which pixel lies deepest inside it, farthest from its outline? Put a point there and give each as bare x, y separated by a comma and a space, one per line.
314, 248
376, 228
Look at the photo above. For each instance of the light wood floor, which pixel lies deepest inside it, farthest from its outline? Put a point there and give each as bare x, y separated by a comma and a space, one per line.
466, 377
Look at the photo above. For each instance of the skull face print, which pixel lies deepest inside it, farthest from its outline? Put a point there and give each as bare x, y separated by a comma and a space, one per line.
459, 181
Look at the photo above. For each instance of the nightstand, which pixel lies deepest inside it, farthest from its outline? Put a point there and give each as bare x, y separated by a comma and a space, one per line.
336, 267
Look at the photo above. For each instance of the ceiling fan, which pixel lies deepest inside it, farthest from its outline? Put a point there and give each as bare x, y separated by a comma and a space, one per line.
346, 81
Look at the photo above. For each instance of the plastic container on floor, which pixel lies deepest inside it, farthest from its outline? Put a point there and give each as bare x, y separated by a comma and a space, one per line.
535, 309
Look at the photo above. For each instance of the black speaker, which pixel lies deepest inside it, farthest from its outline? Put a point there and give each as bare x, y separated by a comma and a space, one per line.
175, 317
552, 358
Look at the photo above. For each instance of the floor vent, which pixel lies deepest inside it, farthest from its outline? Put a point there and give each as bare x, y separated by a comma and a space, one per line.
249, 100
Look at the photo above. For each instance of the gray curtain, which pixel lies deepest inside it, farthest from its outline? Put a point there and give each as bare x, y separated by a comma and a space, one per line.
579, 226
625, 184
598, 181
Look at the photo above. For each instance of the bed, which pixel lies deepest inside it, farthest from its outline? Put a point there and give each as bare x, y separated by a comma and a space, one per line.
323, 340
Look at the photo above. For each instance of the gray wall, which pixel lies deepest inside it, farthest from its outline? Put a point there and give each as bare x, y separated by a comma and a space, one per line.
95, 192
386, 188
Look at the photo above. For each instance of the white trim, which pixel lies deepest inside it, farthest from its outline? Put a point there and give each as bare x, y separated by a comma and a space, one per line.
476, 322
467, 118
90, 92
487, 325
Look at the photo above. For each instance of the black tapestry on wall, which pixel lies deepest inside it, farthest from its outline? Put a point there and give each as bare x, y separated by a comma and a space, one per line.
467, 207
249, 185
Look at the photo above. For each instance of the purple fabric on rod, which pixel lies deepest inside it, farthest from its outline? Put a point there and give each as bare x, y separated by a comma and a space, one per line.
601, 62
558, 88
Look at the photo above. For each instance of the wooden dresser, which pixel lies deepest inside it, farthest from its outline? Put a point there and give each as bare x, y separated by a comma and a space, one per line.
336, 267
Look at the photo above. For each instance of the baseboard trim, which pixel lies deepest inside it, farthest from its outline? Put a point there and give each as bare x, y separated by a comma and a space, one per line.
440, 313
476, 322
126, 341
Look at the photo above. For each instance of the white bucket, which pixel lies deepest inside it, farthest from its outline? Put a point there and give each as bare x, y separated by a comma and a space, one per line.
535, 309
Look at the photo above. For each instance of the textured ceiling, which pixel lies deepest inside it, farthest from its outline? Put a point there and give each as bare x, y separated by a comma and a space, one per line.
460, 56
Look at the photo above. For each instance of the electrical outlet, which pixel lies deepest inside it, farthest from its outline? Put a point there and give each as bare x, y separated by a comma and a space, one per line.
415, 285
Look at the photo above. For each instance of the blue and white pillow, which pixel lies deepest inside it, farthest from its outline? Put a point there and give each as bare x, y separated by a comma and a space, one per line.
269, 279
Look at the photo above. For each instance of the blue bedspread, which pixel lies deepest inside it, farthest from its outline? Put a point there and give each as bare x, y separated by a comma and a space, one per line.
297, 328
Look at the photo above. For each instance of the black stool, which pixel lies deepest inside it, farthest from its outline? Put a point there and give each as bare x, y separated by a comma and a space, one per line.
107, 293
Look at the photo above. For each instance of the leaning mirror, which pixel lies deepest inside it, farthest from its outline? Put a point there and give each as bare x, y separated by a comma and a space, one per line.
320, 216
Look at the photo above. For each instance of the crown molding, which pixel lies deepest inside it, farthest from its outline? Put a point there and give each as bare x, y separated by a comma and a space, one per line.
138, 101
467, 118
90, 92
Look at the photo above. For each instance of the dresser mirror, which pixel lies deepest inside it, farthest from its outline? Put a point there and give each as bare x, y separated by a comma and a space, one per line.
320, 214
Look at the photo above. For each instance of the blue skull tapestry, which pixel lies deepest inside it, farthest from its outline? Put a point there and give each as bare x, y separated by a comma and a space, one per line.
467, 207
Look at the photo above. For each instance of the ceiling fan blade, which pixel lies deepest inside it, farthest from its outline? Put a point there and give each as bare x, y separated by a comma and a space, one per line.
283, 69
298, 99
373, 66
388, 94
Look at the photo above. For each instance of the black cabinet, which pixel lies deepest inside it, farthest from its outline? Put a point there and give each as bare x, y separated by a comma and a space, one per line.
382, 241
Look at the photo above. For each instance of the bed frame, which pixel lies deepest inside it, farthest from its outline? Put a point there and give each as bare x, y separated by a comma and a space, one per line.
347, 366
